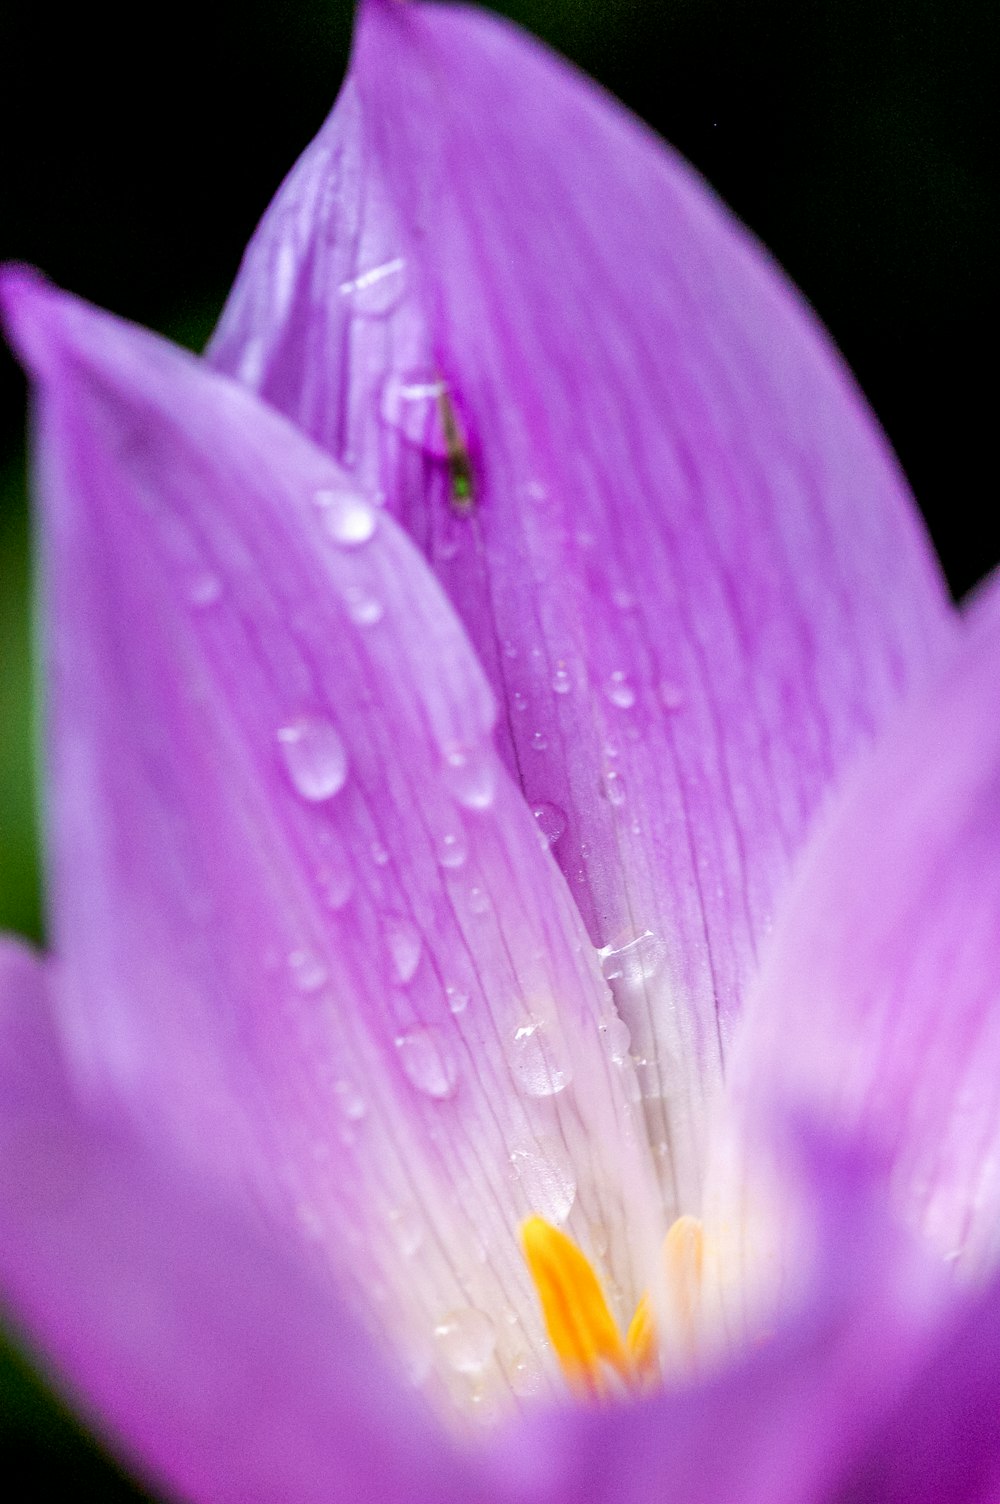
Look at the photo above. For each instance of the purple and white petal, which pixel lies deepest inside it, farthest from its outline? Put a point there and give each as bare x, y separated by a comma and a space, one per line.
217, 1364
309, 933
879, 998
688, 561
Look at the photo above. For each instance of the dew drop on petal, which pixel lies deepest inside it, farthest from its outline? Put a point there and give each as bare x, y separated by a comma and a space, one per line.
544, 1172
617, 1039
614, 787
405, 946
380, 855
466, 1339
561, 681
407, 1230
428, 1062
551, 821
314, 757
349, 1101
377, 290
470, 774
348, 518
363, 608
452, 849
458, 1000
635, 962
307, 970
525, 1376
538, 1059
539, 741
619, 691
479, 901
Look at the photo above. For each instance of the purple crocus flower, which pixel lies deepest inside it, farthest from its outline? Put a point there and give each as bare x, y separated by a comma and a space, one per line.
513, 772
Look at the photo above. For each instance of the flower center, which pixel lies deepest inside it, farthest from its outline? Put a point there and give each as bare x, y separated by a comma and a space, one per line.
597, 1361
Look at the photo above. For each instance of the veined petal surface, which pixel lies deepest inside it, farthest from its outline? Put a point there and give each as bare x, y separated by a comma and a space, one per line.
220, 1365
878, 1003
309, 933
670, 525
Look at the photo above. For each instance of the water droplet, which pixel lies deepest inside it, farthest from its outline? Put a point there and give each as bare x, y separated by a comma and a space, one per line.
551, 821
349, 519
614, 787
428, 1062
466, 1339
380, 855
545, 1174
362, 607
470, 773
458, 1000
336, 885
405, 946
538, 1059
378, 290
407, 1230
617, 1039
349, 1101
519, 700
525, 1376
479, 901
314, 757
510, 648
539, 741
411, 404
634, 962
619, 691
671, 695
561, 681
308, 971
204, 589
452, 849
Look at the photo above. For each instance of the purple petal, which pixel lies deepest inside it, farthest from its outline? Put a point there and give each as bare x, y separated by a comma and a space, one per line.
214, 1361
690, 566
310, 933
878, 999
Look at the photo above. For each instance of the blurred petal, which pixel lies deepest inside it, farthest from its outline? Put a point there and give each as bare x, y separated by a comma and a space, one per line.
879, 998
216, 1362
309, 930
690, 565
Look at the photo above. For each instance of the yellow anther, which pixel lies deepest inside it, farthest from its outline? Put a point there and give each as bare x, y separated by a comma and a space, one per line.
683, 1252
583, 1331
581, 1328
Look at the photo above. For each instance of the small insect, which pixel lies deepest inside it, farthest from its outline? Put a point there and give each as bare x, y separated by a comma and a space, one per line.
459, 465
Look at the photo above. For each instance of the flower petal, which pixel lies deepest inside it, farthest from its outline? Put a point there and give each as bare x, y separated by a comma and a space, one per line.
309, 929
687, 559
879, 998
214, 1360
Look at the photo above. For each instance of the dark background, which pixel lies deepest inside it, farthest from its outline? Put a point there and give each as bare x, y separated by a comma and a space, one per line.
855, 137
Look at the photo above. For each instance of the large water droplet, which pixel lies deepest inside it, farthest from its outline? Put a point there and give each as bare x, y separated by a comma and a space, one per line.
378, 290
634, 962
307, 969
538, 1059
426, 1057
617, 1039
314, 757
470, 773
405, 946
347, 516
466, 1339
544, 1172
619, 691
551, 821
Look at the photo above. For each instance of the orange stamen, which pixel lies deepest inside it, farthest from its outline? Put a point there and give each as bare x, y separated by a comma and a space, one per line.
581, 1328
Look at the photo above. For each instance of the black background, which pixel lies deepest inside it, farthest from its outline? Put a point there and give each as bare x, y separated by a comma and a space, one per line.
857, 139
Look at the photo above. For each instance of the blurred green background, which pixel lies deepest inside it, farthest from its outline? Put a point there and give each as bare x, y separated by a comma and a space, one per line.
856, 138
